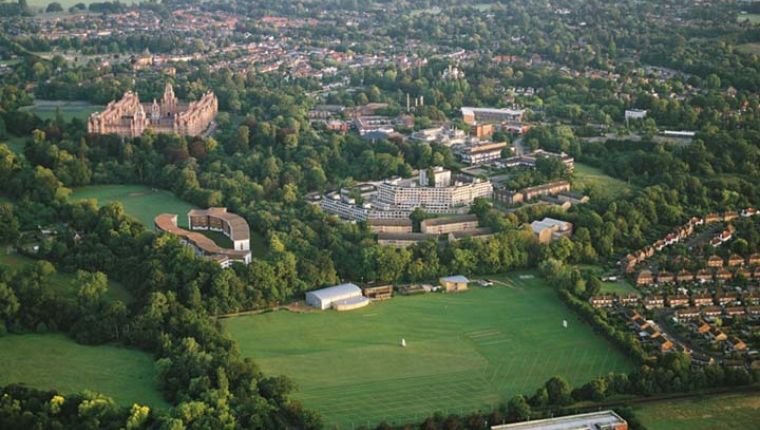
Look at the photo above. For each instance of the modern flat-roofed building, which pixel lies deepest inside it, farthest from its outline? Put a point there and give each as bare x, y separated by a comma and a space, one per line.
480, 233
401, 225
435, 190
341, 297
529, 193
473, 115
402, 240
449, 224
602, 420
434, 195
549, 229
482, 152
218, 219
202, 245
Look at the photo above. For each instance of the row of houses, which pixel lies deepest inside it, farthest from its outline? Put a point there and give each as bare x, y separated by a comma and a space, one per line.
647, 278
649, 332
680, 233
711, 312
676, 300
715, 334
734, 260
399, 232
512, 197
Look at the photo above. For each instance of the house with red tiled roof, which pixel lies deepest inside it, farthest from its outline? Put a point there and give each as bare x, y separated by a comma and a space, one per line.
702, 299
735, 260
665, 277
644, 278
723, 275
678, 300
685, 276
714, 261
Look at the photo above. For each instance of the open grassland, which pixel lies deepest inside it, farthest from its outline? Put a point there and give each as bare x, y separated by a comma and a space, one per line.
753, 18
46, 109
54, 361
621, 287
63, 283
586, 176
141, 202
722, 412
464, 352
750, 48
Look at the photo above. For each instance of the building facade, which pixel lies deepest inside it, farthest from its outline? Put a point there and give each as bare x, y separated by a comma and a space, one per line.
129, 117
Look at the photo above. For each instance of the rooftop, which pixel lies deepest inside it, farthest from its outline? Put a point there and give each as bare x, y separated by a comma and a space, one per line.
450, 220
341, 290
604, 420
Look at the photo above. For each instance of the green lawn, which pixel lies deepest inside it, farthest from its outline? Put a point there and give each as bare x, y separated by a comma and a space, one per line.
63, 282
621, 287
599, 182
750, 48
45, 109
464, 352
753, 18
141, 202
54, 361
724, 412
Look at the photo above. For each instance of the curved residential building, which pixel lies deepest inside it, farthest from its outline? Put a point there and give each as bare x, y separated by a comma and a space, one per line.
218, 219
202, 245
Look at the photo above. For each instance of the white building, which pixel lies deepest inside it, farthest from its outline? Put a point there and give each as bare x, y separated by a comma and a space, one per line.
549, 229
602, 420
435, 191
340, 297
635, 114
472, 115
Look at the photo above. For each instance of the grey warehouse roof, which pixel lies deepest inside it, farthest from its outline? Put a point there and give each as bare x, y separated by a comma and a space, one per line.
338, 291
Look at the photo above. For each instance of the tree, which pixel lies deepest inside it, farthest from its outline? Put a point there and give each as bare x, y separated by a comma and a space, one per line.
518, 409
92, 287
559, 391
54, 7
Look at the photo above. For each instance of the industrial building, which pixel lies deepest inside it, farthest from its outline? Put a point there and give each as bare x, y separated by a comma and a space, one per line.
603, 420
341, 297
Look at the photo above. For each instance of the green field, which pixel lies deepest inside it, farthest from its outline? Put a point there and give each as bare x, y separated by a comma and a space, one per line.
141, 202
750, 48
464, 352
54, 361
62, 282
45, 109
753, 18
622, 287
591, 177
723, 412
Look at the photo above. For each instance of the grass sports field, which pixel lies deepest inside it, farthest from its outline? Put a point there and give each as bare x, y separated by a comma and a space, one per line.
464, 352
63, 282
587, 176
55, 361
141, 202
45, 109
723, 412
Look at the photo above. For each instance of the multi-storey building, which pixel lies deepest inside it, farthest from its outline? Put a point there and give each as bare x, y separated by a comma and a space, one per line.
473, 115
130, 118
481, 152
